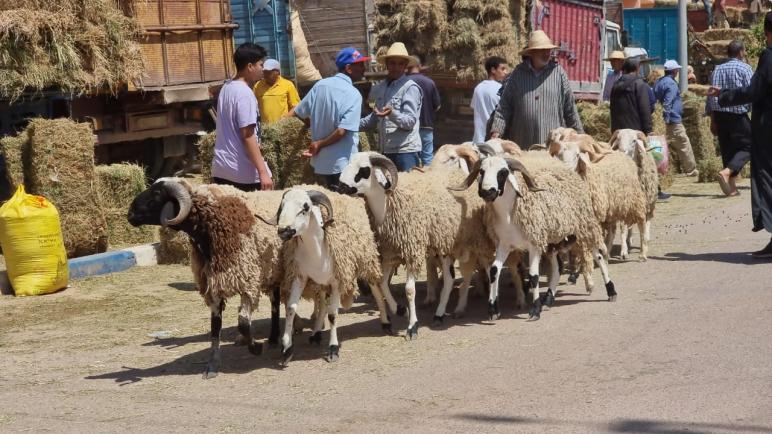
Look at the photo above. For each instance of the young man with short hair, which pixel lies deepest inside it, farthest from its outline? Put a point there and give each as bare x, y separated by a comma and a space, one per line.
276, 95
237, 158
430, 105
486, 95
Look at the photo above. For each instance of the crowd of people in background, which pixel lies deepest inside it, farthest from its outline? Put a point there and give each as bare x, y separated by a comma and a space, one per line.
522, 106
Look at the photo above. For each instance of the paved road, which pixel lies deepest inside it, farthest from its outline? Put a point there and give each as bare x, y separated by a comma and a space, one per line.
687, 348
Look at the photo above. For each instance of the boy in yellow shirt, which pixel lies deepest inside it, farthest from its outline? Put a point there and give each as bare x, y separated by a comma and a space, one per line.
276, 95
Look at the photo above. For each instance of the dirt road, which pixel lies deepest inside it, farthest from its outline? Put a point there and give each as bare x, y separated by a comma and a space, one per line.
687, 348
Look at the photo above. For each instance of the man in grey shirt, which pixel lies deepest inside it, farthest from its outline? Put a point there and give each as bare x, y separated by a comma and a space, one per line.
536, 98
396, 112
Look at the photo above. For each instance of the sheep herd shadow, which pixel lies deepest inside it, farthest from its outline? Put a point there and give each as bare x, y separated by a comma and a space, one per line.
237, 360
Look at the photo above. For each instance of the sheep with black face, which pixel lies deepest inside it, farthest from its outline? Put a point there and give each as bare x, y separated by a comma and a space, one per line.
232, 252
318, 248
551, 214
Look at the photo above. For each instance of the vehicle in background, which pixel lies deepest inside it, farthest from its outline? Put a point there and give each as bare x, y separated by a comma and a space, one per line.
613, 42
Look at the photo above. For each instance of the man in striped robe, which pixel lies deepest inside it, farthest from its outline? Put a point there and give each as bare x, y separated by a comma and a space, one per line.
536, 98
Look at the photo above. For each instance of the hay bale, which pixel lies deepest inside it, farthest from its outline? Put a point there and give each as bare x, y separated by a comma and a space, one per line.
118, 185
173, 248
14, 150
699, 89
596, 119
708, 168
75, 45
61, 155
698, 128
205, 149
404, 21
658, 121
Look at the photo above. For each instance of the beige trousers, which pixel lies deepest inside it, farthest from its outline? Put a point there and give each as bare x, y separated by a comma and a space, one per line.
679, 141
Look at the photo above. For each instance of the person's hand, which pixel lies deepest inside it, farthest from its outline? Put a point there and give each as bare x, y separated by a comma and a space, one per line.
266, 183
495, 135
714, 91
312, 150
382, 113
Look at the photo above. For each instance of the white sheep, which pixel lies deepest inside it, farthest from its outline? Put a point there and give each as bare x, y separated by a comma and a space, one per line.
552, 214
333, 253
232, 252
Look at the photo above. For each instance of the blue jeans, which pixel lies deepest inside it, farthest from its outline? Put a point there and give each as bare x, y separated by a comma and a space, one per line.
427, 145
405, 162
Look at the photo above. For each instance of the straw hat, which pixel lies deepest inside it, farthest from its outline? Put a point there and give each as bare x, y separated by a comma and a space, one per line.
616, 55
397, 49
538, 41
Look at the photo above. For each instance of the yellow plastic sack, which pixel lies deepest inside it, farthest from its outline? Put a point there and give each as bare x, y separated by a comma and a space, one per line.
31, 237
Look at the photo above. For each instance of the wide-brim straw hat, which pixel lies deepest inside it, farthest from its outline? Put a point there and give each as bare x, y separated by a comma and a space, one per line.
396, 49
616, 55
538, 41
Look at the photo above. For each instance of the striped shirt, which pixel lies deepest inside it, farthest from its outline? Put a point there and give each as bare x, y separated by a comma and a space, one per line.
730, 75
534, 103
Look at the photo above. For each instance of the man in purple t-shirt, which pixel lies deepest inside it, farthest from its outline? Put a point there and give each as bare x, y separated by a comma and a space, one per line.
237, 158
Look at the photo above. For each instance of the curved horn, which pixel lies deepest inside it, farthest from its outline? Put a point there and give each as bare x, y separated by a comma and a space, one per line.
511, 147
320, 199
529, 181
383, 162
486, 150
468, 154
473, 173
185, 202
274, 221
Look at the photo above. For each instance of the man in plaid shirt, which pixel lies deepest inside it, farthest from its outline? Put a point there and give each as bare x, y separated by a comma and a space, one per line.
731, 124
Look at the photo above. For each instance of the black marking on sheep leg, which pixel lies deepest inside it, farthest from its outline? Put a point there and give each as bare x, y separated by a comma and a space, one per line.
316, 338
412, 332
611, 291
494, 272
333, 354
213, 367
493, 310
438, 320
273, 338
452, 272
549, 300
561, 265
286, 355
401, 310
246, 332
386, 326
535, 312
573, 277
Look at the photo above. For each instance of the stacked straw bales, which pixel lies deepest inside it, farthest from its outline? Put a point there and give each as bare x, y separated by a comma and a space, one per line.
118, 185
76, 45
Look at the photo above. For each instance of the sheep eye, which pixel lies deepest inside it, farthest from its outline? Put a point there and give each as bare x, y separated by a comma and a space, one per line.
305, 209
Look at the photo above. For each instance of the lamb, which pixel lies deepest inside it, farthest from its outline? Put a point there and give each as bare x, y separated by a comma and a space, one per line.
595, 150
413, 216
554, 213
319, 248
232, 253
616, 192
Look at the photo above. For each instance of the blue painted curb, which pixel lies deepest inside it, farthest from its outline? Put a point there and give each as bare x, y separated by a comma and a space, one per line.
102, 263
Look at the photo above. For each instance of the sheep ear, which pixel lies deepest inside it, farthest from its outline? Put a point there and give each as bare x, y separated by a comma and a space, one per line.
513, 182
613, 140
581, 164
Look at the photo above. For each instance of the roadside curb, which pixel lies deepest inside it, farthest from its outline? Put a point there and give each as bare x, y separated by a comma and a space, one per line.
103, 263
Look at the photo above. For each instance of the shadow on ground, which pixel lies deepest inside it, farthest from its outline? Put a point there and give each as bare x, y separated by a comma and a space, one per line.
743, 258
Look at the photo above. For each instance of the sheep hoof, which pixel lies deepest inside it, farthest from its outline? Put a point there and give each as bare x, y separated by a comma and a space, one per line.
493, 310
255, 348
437, 321
401, 310
549, 300
412, 332
315, 338
611, 292
535, 312
286, 356
211, 371
333, 354
642, 259
386, 327
573, 277
458, 314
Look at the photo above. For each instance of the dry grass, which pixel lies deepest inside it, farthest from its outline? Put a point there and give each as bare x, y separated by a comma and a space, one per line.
75, 45
117, 185
14, 149
174, 247
205, 148
596, 120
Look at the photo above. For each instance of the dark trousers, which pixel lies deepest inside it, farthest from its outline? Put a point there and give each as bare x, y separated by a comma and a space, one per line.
734, 139
330, 182
242, 187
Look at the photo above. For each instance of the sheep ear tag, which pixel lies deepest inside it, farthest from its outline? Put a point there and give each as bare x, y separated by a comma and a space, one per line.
513, 182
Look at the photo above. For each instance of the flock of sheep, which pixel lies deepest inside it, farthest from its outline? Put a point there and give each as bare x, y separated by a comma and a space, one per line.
561, 202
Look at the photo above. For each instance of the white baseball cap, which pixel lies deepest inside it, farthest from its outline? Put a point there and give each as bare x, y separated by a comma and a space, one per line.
671, 65
271, 65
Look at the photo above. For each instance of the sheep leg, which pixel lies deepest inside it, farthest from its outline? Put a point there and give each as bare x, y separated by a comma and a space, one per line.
332, 315
273, 338
610, 290
387, 269
245, 326
502, 253
289, 318
447, 287
431, 281
574, 267
611, 233
625, 252
644, 229
378, 295
553, 280
412, 329
483, 285
320, 306
467, 271
534, 256
213, 367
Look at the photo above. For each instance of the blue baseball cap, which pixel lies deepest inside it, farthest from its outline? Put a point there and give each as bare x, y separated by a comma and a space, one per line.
349, 55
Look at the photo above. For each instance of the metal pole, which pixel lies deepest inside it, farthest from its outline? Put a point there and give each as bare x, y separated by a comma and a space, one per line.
683, 42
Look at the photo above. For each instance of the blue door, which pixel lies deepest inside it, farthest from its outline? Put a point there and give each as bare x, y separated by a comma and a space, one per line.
266, 23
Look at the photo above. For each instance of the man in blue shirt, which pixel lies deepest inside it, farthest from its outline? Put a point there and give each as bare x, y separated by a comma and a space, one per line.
334, 107
731, 124
669, 95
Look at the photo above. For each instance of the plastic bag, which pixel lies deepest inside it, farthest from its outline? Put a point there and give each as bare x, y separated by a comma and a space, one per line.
31, 237
660, 152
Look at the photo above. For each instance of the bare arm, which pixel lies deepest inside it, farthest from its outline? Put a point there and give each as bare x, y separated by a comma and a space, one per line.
252, 147
334, 137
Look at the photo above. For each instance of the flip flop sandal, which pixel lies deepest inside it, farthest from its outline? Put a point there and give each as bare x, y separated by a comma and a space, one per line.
724, 184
